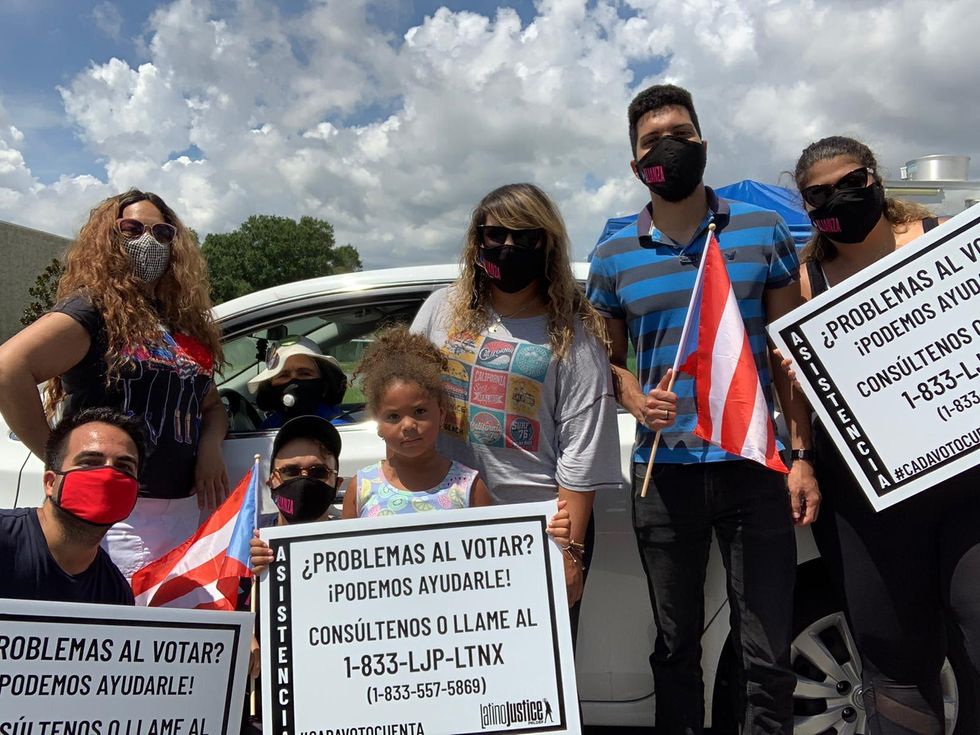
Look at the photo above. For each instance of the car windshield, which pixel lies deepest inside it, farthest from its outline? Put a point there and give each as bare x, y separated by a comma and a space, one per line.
343, 333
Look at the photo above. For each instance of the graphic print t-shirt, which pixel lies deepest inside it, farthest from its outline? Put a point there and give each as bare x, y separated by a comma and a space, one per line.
164, 383
526, 421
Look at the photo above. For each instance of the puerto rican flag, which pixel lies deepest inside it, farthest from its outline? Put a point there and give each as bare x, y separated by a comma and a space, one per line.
714, 349
204, 571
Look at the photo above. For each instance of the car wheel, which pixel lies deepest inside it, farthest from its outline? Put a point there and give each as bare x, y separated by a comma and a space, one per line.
828, 697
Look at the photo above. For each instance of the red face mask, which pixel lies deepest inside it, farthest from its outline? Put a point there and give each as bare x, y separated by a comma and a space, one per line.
97, 495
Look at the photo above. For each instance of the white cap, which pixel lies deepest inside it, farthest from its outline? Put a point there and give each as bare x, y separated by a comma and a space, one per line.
277, 357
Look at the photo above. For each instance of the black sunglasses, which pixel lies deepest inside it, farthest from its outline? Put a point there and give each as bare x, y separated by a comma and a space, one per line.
162, 232
495, 236
819, 194
314, 471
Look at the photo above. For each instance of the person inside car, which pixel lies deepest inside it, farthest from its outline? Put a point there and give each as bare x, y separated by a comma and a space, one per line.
92, 459
299, 380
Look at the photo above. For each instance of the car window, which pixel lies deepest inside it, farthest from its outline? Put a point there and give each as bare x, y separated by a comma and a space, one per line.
343, 332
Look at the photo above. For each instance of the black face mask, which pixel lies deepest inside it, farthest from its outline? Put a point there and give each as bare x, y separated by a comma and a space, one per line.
303, 499
512, 269
296, 398
673, 168
850, 214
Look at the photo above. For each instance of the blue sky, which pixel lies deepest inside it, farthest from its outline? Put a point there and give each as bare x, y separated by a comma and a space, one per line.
44, 43
391, 119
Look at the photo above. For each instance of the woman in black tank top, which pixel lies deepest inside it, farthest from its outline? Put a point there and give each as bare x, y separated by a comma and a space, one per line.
907, 569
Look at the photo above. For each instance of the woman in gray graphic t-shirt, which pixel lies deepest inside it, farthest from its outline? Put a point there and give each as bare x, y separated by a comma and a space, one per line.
528, 374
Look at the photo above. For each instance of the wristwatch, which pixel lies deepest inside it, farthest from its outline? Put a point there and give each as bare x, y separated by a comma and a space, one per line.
804, 454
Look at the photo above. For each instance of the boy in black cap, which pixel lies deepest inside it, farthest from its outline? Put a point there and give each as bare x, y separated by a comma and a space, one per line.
303, 477
303, 480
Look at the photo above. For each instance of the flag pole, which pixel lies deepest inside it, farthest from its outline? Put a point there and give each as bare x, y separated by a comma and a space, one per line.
680, 346
255, 468
252, 603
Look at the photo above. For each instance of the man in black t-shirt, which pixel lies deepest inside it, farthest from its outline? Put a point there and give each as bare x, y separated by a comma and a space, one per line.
91, 462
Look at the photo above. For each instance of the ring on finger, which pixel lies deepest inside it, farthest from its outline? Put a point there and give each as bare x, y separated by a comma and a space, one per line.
666, 414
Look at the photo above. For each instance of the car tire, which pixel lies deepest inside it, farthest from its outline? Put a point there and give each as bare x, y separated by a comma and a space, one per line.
825, 659
817, 612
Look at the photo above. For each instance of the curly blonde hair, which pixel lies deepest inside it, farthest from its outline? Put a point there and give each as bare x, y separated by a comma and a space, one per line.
398, 355
520, 206
97, 268
898, 212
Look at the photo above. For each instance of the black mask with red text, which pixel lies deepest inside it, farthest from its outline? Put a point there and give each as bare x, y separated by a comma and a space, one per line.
303, 499
512, 269
850, 214
673, 168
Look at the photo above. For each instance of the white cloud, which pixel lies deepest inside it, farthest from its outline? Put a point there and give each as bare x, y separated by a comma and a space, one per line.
108, 19
15, 178
239, 109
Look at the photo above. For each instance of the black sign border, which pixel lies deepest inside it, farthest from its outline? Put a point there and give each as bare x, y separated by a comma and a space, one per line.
787, 333
562, 723
236, 630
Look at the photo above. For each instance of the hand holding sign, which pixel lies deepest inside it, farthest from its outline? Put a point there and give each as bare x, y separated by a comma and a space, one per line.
897, 346
440, 622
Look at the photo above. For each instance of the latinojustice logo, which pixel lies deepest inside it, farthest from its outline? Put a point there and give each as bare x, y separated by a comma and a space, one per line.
526, 711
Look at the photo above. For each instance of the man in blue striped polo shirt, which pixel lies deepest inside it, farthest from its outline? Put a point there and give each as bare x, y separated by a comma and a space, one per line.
640, 280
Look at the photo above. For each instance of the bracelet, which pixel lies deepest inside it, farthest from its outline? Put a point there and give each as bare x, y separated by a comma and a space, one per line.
576, 554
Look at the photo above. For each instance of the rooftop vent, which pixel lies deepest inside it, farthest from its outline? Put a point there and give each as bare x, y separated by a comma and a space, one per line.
937, 168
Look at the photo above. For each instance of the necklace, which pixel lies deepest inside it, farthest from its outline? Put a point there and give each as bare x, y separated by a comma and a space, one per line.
498, 318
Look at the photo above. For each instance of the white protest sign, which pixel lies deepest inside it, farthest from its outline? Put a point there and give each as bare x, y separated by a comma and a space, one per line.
74, 669
438, 622
890, 361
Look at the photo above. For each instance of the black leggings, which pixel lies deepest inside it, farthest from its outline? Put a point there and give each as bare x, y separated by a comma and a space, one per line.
905, 572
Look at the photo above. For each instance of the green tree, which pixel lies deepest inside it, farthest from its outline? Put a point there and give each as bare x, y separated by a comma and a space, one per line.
268, 250
43, 292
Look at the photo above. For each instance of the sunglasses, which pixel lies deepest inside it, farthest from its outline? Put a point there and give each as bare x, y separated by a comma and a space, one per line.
314, 471
133, 228
495, 236
818, 195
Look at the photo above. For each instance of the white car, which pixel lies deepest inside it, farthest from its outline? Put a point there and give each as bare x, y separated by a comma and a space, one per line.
616, 634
